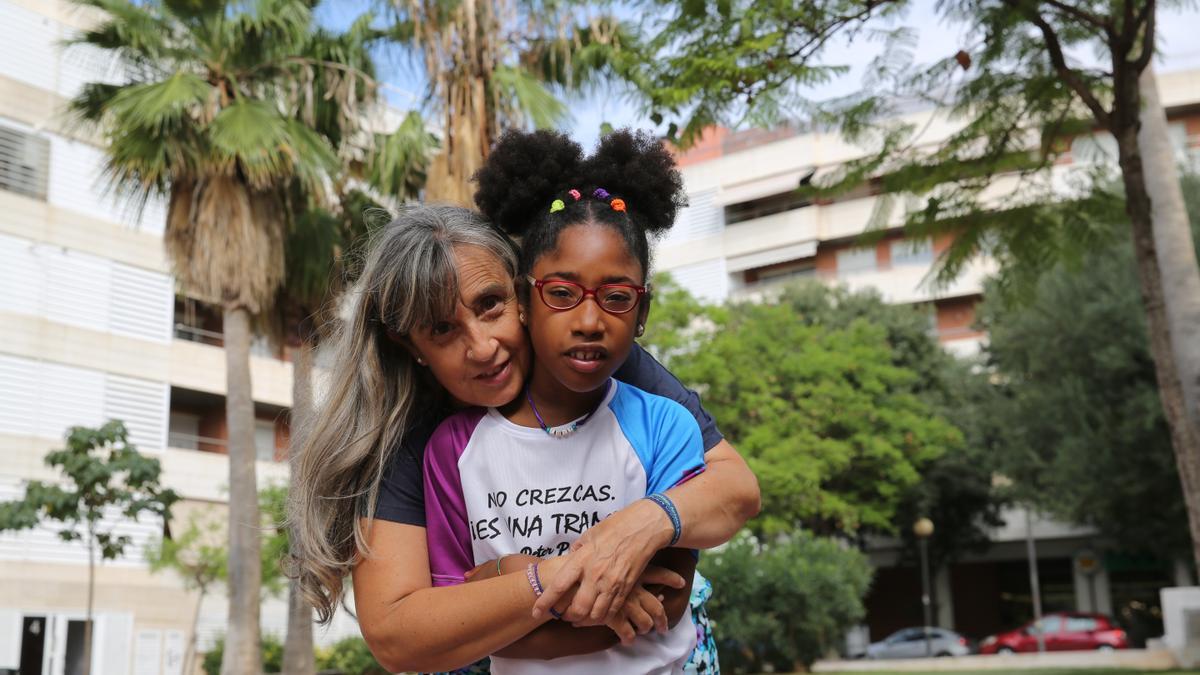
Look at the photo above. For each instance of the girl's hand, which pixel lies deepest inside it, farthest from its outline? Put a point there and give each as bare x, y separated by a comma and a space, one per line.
642, 612
606, 562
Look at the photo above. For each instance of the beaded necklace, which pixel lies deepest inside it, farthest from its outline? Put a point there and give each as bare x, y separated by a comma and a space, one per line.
564, 430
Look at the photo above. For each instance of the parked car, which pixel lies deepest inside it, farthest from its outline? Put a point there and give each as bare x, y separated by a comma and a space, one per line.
1062, 631
909, 643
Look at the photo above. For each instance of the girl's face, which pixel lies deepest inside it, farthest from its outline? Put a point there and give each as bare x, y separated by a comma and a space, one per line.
583, 346
480, 354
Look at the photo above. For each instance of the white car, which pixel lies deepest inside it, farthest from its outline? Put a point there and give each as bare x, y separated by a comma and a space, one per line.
909, 643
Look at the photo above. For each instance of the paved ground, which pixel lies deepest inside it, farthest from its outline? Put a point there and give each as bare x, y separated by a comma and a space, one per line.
1121, 661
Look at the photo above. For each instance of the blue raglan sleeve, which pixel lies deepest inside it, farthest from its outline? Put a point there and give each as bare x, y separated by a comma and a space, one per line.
664, 435
679, 448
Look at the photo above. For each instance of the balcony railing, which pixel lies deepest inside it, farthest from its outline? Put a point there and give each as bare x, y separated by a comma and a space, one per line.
258, 346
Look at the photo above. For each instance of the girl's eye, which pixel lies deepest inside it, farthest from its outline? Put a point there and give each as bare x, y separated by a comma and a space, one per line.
618, 296
560, 292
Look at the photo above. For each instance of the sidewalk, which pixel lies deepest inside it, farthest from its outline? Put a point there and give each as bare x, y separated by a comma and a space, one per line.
1139, 659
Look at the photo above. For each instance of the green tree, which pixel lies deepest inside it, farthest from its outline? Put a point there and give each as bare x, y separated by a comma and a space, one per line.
786, 603
199, 555
828, 421
103, 474
216, 116
1015, 98
1086, 437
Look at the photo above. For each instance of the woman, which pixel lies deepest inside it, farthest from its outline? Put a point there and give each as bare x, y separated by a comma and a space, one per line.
434, 326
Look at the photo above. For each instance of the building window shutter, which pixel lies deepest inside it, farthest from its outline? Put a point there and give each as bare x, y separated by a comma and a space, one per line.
24, 163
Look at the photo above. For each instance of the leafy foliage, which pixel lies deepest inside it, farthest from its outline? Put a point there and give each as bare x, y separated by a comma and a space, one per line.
1086, 437
785, 603
272, 656
348, 656
828, 419
103, 473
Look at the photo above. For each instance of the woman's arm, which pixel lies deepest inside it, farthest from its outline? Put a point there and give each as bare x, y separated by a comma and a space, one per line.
609, 557
411, 626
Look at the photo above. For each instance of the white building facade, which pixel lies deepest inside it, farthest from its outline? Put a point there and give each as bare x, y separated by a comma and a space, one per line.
91, 330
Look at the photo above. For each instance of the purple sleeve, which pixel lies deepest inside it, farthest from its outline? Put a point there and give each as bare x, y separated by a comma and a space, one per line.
447, 530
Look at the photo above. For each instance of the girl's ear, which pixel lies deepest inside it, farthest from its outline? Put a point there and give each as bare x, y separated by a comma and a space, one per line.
643, 313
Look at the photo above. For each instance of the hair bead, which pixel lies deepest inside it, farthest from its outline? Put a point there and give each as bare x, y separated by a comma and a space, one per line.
601, 194
575, 194
618, 204
557, 205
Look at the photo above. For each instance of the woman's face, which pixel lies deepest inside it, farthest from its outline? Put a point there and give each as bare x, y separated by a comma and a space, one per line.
480, 354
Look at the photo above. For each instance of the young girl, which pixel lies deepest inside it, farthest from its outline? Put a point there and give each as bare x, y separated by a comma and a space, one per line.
522, 482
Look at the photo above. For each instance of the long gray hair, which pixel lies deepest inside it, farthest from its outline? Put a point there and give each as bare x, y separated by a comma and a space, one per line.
375, 390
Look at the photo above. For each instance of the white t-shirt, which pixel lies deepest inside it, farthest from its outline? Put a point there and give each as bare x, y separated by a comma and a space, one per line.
494, 488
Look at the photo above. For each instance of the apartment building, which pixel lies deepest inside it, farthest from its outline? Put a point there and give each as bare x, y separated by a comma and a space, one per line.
91, 329
747, 232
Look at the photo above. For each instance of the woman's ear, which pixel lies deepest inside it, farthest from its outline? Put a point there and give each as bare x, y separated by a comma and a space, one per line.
406, 343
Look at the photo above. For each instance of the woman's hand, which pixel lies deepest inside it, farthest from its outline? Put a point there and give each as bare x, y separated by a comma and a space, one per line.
606, 562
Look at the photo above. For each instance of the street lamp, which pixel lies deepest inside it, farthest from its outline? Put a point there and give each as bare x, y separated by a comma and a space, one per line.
923, 528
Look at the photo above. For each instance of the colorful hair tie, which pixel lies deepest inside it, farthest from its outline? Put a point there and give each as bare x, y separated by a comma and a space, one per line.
557, 205
575, 194
601, 194
618, 204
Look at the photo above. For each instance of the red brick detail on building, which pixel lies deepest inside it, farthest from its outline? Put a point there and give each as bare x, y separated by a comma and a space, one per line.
707, 148
956, 318
826, 262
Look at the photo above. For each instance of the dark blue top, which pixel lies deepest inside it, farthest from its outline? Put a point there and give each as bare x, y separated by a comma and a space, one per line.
402, 495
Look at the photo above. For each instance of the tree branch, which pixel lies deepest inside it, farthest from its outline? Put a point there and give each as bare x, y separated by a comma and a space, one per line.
1147, 15
1059, 61
1087, 17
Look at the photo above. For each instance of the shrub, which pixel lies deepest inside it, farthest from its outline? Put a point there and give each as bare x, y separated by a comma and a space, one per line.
783, 604
348, 656
272, 651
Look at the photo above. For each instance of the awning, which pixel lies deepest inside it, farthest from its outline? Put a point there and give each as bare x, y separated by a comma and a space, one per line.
762, 187
773, 256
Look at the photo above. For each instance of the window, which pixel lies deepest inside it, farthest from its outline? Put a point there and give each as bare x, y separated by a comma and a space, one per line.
766, 206
801, 270
853, 260
264, 440
913, 252
1049, 624
24, 163
1080, 624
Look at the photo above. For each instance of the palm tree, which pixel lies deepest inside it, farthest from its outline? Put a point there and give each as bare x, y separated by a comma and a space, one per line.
392, 166
495, 64
216, 115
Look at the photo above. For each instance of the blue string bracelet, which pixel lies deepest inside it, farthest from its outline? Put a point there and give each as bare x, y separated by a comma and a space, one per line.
672, 513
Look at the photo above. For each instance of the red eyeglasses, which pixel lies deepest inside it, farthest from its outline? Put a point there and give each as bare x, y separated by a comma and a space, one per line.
561, 295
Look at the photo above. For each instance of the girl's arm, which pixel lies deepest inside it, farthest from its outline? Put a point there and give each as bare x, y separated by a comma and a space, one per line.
559, 638
411, 626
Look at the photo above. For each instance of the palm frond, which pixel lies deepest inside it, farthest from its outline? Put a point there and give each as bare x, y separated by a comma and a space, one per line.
398, 166
160, 107
529, 97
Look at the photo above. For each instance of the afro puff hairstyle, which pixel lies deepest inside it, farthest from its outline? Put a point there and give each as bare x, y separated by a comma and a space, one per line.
527, 172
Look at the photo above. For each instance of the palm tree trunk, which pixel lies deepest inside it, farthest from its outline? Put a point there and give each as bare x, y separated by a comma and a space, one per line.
298, 648
243, 648
1167, 274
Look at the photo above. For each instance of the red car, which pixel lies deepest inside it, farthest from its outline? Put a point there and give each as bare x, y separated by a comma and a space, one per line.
1063, 631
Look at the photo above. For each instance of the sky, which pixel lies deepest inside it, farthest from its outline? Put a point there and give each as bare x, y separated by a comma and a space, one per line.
404, 85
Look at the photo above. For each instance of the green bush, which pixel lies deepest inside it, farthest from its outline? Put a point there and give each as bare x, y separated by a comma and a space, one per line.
785, 604
348, 656
272, 650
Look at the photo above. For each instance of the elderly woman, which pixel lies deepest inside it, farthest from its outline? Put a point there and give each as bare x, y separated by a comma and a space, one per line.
434, 327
